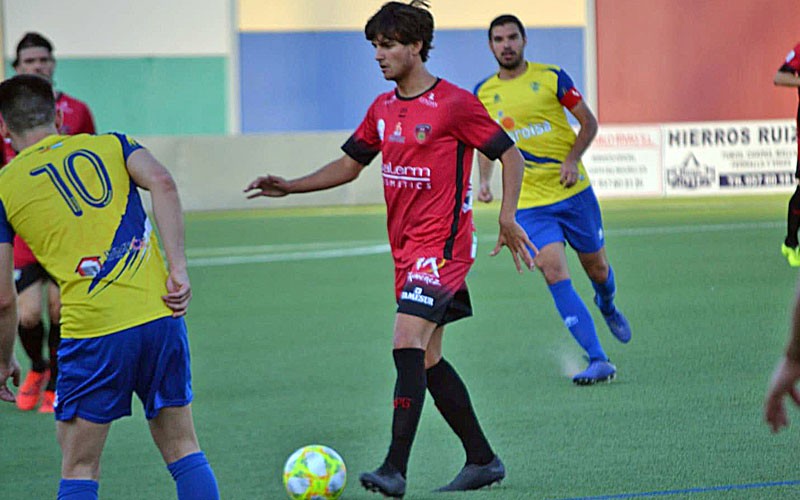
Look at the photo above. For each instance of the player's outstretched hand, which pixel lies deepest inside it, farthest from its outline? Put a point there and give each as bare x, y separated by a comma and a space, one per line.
569, 174
10, 372
485, 193
270, 185
514, 237
179, 292
783, 383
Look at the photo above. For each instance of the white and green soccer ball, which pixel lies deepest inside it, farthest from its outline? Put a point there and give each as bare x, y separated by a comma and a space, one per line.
314, 472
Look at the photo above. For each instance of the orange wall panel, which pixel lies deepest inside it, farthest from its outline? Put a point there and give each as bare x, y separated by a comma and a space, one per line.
693, 60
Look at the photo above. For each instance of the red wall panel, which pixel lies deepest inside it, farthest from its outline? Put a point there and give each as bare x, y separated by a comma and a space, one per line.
693, 60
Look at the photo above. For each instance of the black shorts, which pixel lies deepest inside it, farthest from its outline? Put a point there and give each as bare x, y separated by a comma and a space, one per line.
28, 275
434, 289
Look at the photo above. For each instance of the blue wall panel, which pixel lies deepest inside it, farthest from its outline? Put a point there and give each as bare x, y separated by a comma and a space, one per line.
326, 80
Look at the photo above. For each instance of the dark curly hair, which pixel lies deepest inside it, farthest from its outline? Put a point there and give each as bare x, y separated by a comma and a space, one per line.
405, 23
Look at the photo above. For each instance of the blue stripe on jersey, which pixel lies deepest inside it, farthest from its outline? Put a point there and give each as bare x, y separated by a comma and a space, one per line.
128, 145
6, 233
537, 159
480, 83
564, 82
127, 240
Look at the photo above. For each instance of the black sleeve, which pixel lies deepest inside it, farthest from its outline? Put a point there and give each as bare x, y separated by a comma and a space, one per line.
497, 145
359, 151
787, 69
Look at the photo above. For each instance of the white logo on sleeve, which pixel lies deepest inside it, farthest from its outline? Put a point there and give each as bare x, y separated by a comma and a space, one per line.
381, 128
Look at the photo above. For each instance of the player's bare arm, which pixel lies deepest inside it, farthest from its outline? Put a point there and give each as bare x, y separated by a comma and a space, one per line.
485, 169
511, 234
150, 174
786, 79
784, 379
335, 173
587, 133
9, 368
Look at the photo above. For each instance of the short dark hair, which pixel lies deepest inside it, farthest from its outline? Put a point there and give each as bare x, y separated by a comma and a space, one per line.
506, 19
32, 39
405, 23
27, 102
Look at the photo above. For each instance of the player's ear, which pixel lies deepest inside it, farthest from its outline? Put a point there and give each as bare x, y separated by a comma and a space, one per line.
416, 47
59, 118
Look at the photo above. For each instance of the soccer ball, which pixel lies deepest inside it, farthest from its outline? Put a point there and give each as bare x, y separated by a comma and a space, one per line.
314, 472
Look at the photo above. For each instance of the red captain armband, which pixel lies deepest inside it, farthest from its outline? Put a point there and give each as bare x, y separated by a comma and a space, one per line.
571, 98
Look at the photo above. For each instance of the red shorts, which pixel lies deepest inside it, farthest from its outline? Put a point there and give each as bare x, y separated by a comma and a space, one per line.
434, 289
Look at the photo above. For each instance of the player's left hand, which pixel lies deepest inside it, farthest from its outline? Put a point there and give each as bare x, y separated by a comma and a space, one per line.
783, 382
516, 239
569, 173
179, 292
10, 372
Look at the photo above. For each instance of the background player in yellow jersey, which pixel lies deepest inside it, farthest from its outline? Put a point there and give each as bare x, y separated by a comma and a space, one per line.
557, 203
74, 200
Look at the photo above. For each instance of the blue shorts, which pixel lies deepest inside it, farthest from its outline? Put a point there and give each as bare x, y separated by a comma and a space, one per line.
576, 220
98, 376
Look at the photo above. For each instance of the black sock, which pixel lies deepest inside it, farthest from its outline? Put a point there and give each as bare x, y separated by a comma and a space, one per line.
793, 219
53, 339
32, 340
452, 399
409, 395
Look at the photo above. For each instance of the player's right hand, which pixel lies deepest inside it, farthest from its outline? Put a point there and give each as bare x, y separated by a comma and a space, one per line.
179, 292
485, 193
270, 185
10, 372
516, 239
783, 383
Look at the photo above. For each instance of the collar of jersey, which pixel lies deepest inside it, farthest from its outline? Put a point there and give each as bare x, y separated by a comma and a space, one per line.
397, 94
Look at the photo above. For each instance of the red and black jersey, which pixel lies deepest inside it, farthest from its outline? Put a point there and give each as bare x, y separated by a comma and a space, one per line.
427, 144
792, 65
77, 120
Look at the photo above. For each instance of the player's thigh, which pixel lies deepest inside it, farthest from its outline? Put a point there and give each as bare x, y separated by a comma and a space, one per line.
173, 432
582, 222
81, 444
53, 302
412, 332
552, 262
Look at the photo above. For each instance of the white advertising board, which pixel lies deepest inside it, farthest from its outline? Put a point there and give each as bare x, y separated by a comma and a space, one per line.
729, 157
625, 161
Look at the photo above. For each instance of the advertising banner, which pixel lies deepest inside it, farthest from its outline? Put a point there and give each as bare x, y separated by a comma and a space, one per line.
625, 161
729, 157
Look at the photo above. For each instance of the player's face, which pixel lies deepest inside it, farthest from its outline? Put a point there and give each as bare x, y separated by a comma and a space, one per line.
395, 59
508, 45
36, 61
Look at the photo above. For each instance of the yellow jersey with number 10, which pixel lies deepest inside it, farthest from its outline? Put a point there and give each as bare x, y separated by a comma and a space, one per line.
72, 200
530, 108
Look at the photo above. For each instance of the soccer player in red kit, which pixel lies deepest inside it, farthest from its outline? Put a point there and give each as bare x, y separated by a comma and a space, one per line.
426, 130
35, 57
788, 75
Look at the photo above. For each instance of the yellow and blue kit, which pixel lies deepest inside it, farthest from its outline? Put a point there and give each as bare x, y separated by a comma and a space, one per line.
72, 200
530, 108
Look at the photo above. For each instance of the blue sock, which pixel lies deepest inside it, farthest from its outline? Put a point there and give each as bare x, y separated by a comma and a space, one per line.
194, 478
605, 292
577, 318
77, 489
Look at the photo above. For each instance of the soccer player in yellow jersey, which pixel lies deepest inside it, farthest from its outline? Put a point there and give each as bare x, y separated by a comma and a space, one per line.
557, 203
74, 200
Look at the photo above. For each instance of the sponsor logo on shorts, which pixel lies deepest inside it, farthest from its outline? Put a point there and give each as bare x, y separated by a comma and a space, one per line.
417, 296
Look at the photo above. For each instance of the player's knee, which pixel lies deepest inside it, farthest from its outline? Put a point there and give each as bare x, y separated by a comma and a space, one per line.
598, 272
81, 467
29, 319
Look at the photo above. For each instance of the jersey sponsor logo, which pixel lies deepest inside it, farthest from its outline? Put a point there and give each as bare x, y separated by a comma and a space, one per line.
421, 132
691, 174
406, 177
89, 266
429, 100
526, 132
417, 296
397, 135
